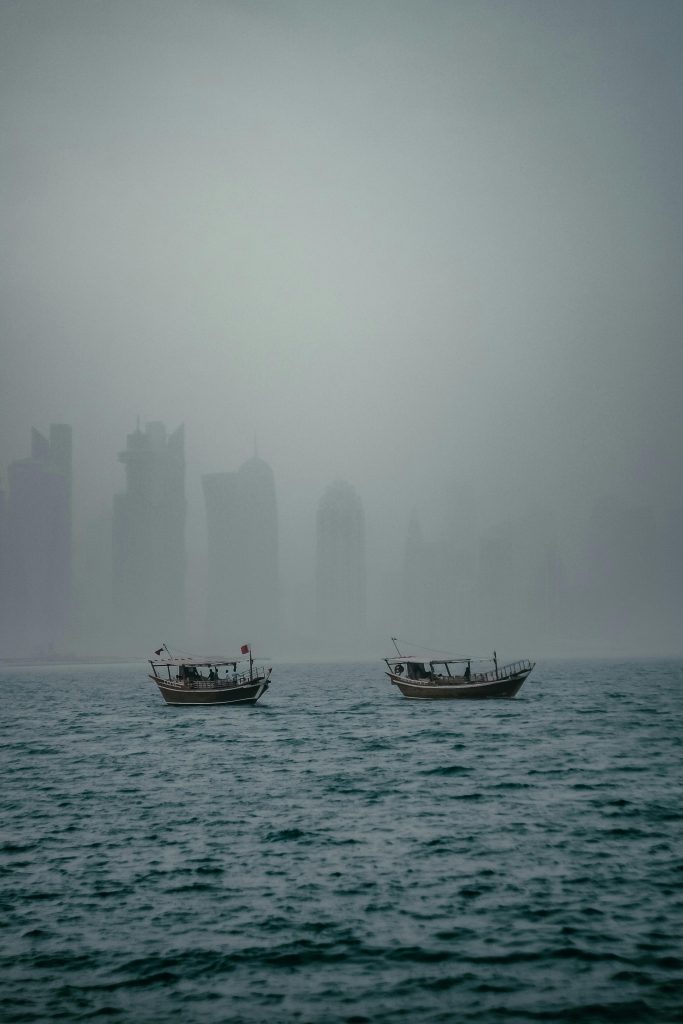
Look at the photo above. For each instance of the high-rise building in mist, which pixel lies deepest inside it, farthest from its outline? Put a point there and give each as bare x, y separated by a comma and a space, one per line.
94, 625
430, 609
522, 591
413, 583
622, 580
149, 540
4, 583
242, 548
340, 571
36, 562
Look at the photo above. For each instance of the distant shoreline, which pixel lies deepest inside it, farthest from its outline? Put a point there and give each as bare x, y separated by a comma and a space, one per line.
83, 660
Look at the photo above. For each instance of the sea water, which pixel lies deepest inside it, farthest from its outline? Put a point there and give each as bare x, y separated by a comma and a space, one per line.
340, 853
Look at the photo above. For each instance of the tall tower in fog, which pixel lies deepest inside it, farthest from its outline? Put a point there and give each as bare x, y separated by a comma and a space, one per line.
37, 537
340, 571
5, 600
242, 535
149, 540
413, 583
430, 575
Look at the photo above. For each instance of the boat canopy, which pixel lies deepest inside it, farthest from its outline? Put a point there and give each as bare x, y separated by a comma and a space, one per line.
421, 659
198, 662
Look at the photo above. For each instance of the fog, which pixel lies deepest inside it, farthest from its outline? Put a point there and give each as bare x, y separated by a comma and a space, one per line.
426, 253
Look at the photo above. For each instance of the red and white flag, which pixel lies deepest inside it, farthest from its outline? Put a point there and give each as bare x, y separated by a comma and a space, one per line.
244, 648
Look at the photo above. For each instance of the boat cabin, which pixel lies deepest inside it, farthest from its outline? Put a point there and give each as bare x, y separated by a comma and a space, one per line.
416, 670
441, 668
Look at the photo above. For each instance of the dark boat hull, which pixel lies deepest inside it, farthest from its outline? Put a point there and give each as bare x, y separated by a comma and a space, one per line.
245, 693
428, 689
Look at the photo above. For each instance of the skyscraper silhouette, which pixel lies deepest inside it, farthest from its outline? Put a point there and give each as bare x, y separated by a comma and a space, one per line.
242, 547
4, 577
149, 540
429, 581
340, 571
37, 532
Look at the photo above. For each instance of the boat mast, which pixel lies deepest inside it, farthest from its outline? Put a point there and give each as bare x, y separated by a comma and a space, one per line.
393, 640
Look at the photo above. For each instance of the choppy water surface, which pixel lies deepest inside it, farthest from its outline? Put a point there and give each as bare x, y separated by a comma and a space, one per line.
338, 853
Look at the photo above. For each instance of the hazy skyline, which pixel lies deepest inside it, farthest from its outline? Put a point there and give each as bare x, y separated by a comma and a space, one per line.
403, 244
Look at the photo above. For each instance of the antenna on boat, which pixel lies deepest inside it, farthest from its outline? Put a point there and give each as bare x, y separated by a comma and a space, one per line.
393, 640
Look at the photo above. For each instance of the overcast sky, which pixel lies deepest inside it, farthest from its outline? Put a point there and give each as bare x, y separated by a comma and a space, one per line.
390, 240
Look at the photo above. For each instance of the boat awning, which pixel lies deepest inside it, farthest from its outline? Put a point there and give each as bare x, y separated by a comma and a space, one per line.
420, 659
198, 662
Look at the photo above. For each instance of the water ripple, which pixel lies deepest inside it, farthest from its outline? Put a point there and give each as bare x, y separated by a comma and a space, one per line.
340, 854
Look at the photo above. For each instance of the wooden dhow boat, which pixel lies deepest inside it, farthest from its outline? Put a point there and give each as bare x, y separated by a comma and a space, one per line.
208, 680
444, 678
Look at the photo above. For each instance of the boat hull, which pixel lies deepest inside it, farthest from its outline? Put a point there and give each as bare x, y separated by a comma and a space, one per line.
427, 689
245, 693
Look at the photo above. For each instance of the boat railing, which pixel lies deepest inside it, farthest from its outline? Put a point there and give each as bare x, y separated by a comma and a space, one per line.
503, 671
213, 684
202, 683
